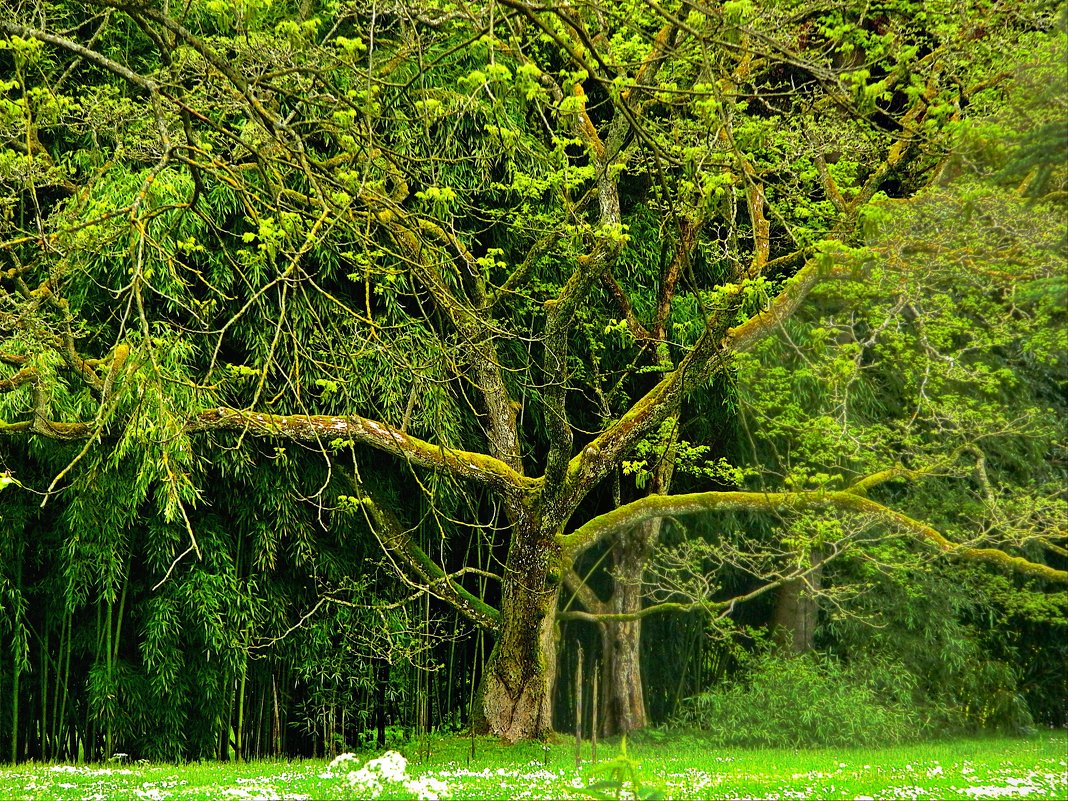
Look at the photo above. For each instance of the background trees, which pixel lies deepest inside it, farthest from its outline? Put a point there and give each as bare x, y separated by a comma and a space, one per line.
481, 289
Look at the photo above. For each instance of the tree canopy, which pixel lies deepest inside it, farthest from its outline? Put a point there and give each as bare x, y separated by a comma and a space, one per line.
288, 285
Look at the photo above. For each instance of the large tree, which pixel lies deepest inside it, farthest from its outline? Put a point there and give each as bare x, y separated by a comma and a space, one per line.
504, 245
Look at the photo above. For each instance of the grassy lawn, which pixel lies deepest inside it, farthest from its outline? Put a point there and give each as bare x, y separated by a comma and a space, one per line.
682, 767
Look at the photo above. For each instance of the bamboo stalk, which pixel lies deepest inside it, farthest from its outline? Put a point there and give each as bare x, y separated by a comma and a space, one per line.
238, 746
43, 718
578, 709
259, 725
108, 743
122, 612
16, 670
65, 719
53, 733
14, 712
593, 714
15, 709
276, 733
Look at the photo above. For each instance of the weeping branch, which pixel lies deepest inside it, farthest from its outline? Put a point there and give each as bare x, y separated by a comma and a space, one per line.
321, 429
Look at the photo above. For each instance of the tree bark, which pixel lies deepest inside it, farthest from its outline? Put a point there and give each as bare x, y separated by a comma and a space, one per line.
622, 696
793, 623
514, 701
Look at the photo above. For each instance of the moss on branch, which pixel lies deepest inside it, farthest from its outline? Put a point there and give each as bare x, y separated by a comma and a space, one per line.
327, 428
704, 502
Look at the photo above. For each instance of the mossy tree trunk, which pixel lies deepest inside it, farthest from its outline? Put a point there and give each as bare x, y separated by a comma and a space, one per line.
514, 701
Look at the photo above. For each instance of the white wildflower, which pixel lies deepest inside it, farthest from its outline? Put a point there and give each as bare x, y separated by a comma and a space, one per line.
366, 782
390, 765
991, 791
427, 788
341, 759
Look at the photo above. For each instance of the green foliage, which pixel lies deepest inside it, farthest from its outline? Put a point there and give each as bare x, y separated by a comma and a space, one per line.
954, 633
805, 701
622, 779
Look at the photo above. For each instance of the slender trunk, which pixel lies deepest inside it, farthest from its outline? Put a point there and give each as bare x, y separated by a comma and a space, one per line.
793, 622
109, 672
380, 703
43, 717
225, 720
622, 695
276, 724
515, 698
594, 717
114, 632
57, 680
259, 725
122, 613
66, 718
239, 744
578, 709
16, 670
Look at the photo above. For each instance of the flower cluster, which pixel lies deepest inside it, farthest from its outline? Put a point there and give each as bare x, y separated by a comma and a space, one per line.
387, 772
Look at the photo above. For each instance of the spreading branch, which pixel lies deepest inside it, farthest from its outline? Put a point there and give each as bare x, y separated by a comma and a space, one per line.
654, 506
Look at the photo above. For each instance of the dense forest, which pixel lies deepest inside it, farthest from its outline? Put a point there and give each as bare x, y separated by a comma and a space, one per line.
372, 367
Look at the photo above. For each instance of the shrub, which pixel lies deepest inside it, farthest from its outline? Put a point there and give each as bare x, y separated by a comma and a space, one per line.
805, 700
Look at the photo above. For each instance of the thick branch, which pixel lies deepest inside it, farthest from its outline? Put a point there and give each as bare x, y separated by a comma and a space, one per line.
560, 314
995, 556
723, 607
326, 428
14, 29
712, 351
474, 329
27, 375
397, 542
579, 589
654, 506
688, 233
741, 338
637, 330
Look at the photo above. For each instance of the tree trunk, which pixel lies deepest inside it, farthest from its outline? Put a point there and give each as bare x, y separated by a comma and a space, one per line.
793, 623
514, 701
622, 696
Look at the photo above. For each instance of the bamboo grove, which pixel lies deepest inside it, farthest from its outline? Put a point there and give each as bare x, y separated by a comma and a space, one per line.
360, 361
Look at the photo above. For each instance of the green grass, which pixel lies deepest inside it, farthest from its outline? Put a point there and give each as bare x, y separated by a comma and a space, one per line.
1033, 768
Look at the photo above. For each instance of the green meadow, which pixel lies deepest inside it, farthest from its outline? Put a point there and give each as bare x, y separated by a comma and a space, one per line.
674, 766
